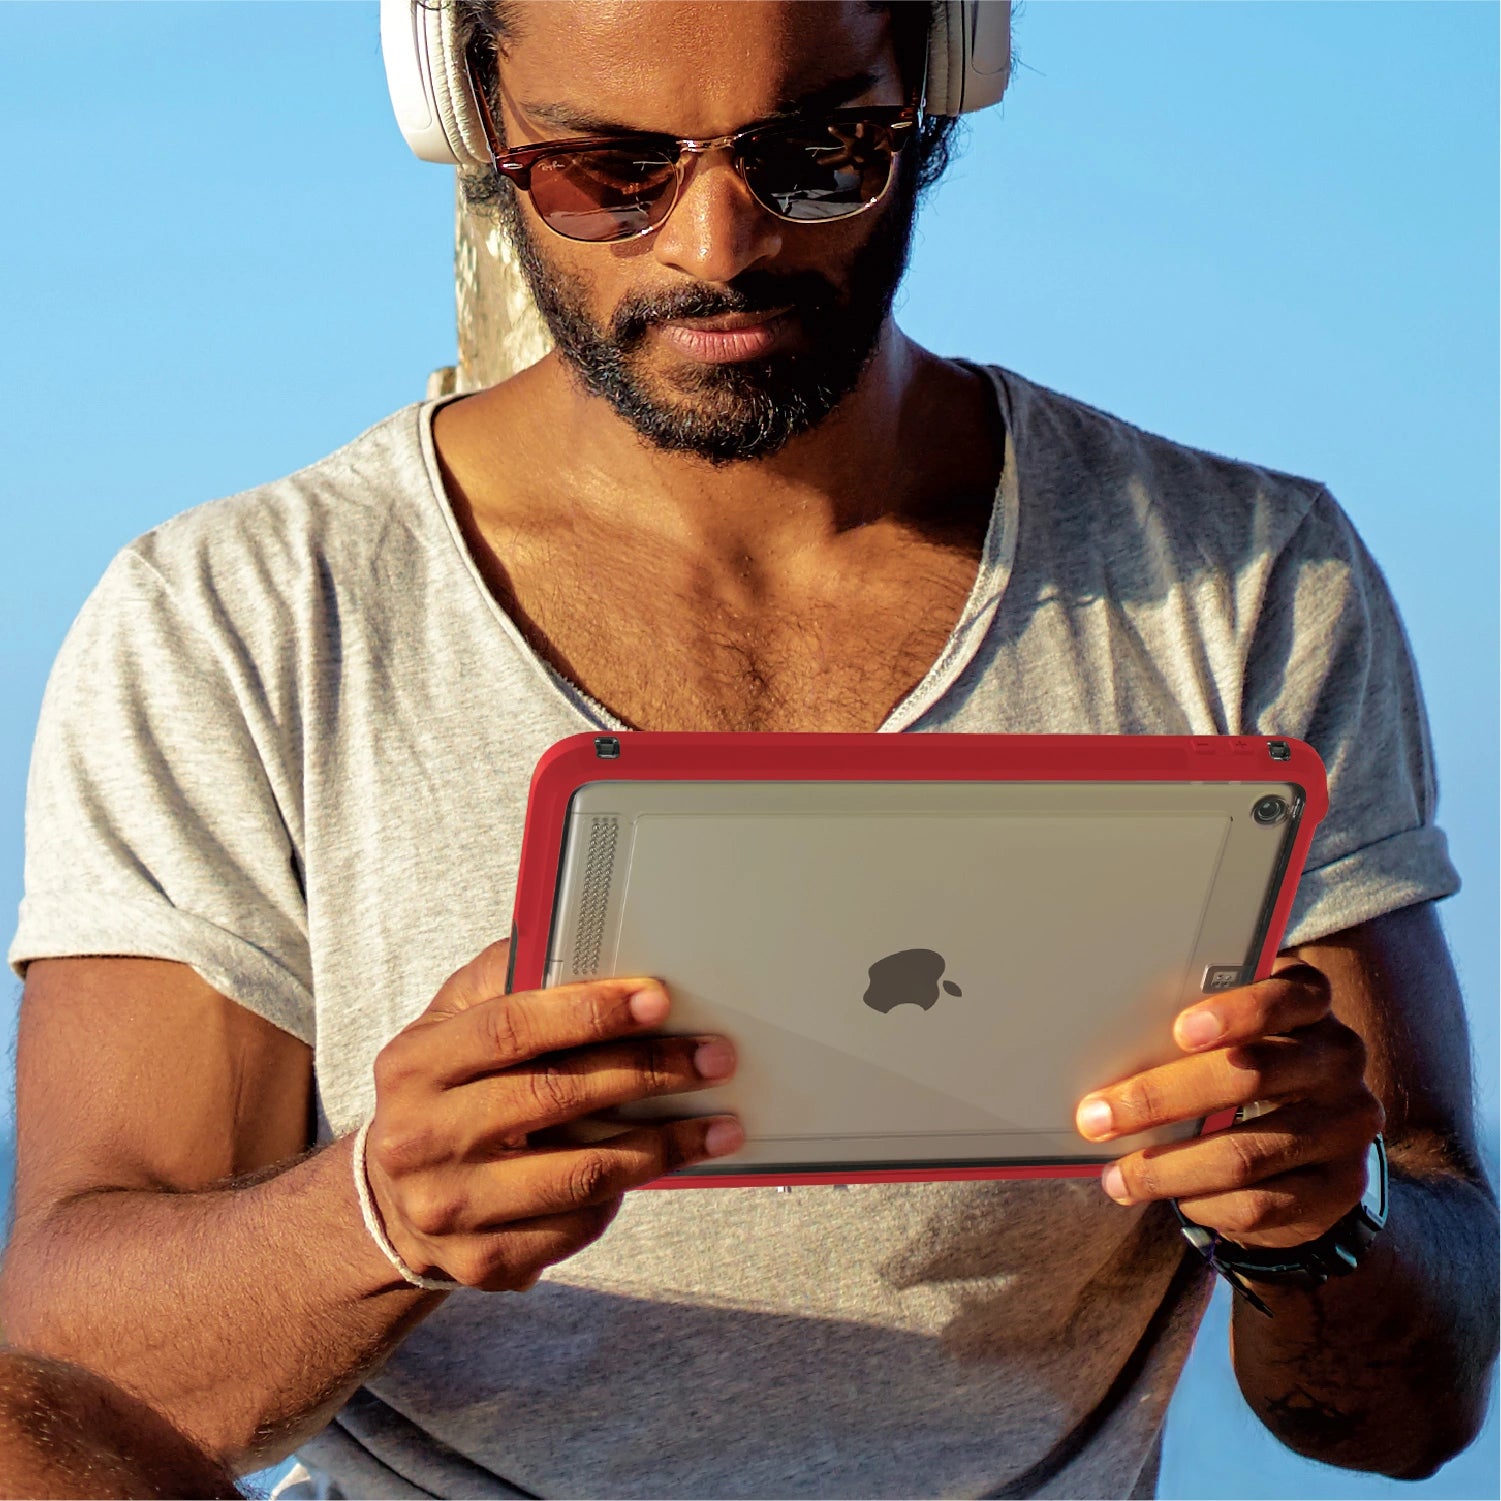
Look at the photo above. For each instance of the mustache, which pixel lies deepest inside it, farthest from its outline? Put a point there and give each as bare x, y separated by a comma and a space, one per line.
806, 293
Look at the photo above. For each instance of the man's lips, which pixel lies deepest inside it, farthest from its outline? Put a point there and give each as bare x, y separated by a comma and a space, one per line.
730, 336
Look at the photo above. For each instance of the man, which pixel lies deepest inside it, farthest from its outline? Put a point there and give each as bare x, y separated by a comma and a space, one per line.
65, 1431
276, 816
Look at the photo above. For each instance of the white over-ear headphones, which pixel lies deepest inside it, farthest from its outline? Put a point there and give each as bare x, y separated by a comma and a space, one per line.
969, 63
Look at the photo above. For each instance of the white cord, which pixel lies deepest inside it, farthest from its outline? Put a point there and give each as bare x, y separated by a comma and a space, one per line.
378, 1231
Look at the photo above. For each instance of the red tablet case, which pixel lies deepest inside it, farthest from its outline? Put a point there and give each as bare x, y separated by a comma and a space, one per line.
699, 757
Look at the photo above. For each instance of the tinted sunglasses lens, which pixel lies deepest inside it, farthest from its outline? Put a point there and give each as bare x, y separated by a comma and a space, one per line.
820, 171
604, 193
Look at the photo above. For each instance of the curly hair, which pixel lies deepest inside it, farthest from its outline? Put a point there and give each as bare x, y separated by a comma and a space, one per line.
499, 22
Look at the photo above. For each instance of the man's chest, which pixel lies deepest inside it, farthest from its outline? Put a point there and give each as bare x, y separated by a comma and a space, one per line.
664, 654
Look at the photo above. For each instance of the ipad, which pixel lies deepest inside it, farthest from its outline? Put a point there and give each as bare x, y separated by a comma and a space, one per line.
926, 947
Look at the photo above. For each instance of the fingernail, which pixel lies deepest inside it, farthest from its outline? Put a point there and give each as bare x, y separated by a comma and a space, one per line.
649, 1006
1114, 1184
1198, 1027
1094, 1117
714, 1058
724, 1136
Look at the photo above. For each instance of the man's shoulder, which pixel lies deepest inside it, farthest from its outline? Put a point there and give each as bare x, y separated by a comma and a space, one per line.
1073, 454
345, 506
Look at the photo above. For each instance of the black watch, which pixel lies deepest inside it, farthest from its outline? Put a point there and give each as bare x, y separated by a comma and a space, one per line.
1335, 1253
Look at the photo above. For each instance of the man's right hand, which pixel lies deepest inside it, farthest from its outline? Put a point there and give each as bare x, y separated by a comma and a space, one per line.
467, 1156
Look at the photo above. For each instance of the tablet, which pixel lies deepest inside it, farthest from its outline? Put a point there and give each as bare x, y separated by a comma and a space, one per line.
927, 948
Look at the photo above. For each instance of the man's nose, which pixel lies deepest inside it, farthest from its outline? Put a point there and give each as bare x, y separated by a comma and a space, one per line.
716, 229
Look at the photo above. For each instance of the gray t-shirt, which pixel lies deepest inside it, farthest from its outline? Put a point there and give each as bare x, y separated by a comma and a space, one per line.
288, 743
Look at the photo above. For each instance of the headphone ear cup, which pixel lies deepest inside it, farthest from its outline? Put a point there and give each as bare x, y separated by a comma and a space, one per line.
428, 83
945, 60
451, 92
969, 55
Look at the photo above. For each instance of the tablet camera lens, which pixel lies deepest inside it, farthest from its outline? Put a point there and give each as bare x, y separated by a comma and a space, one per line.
1269, 810
606, 747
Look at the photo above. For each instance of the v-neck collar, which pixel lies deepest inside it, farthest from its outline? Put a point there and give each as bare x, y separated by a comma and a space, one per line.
991, 577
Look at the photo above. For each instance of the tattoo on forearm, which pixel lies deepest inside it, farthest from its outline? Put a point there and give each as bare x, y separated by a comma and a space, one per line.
1353, 1375
1306, 1420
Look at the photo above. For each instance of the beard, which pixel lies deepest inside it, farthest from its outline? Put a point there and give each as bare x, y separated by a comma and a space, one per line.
740, 411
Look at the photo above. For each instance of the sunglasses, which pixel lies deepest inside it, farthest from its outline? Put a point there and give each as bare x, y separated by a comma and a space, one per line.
807, 170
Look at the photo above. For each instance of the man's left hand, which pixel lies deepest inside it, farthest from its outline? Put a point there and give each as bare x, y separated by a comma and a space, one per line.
1281, 1178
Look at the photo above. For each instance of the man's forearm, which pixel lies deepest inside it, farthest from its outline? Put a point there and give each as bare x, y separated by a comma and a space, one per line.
245, 1313
1387, 1369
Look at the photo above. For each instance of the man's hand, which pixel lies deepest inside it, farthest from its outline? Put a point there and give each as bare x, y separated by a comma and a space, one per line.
1283, 1177
163, 1126
473, 1166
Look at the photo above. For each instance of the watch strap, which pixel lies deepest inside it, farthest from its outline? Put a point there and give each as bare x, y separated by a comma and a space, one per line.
1335, 1253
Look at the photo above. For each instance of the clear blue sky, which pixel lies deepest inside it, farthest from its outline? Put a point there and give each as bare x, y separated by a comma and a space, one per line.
1265, 229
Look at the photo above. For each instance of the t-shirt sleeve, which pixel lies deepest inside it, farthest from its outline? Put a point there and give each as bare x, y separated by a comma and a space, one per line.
1331, 664
159, 817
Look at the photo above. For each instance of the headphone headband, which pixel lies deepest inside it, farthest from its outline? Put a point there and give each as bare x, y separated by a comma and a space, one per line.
968, 66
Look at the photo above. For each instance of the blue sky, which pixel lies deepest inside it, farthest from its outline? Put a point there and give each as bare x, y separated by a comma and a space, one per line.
1265, 229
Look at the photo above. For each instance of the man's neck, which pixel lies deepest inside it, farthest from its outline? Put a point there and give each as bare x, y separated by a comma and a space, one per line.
887, 454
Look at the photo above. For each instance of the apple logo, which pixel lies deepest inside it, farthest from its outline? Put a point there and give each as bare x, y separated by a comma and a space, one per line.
909, 976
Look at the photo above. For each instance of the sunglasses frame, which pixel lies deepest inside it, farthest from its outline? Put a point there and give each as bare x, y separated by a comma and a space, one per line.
515, 163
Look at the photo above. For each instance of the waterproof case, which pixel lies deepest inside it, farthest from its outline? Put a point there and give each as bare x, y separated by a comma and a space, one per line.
927, 948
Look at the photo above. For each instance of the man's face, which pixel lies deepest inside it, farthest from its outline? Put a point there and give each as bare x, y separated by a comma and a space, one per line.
627, 316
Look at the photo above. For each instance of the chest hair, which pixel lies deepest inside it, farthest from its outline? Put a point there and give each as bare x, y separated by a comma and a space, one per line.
691, 654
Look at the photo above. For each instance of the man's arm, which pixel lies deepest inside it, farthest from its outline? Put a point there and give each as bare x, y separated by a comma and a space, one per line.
1387, 1368
246, 1310
65, 1431
169, 1236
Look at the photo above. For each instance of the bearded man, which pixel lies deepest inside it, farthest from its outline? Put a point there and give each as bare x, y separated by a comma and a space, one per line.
275, 819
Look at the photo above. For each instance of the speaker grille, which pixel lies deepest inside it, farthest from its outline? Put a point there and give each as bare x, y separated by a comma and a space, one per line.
594, 895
